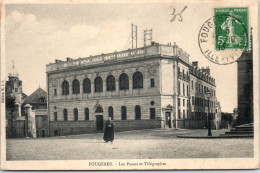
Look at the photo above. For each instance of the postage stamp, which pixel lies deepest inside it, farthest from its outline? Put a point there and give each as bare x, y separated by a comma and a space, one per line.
224, 37
231, 28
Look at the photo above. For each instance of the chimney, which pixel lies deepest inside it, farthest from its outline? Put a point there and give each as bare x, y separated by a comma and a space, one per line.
57, 60
69, 59
195, 63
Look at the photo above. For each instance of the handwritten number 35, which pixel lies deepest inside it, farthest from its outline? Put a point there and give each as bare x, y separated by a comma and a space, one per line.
175, 15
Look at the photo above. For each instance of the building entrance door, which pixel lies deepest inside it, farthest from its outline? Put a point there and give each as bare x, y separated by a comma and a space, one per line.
168, 119
99, 122
43, 133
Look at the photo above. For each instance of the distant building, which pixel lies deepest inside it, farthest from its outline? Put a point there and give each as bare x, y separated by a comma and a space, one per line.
227, 120
38, 100
245, 87
148, 87
200, 83
217, 119
36, 103
14, 88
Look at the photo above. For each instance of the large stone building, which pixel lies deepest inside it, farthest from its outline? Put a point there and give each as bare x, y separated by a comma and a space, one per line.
147, 87
193, 84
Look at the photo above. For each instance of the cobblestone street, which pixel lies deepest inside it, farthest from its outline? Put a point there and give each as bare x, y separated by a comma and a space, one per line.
137, 144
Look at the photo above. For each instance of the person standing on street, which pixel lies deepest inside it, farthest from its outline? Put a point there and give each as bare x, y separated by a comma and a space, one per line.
109, 130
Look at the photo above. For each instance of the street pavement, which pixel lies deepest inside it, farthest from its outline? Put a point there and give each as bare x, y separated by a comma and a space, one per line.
136, 144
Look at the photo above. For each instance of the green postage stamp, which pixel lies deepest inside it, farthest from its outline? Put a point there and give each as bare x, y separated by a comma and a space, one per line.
231, 28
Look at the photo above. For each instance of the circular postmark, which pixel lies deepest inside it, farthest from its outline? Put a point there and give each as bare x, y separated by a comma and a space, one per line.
222, 39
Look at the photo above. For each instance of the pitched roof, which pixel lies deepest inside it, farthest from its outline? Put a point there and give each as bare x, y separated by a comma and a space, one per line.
35, 96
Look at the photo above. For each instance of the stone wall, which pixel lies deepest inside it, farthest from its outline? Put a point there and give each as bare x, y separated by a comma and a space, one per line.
62, 128
122, 125
193, 124
42, 129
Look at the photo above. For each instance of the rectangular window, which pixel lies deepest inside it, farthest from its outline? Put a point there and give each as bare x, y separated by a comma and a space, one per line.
192, 84
183, 114
179, 88
179, 102
187, 103
42, 100
55, 92
179, 114
183, 102
187, 90
183, 87
124, 113
55, 116
152, 113
192, 101
152, 83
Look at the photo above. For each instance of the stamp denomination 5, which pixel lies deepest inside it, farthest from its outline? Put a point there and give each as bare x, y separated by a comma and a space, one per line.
224, 37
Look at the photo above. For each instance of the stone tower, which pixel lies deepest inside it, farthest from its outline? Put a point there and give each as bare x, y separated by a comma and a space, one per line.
245, 86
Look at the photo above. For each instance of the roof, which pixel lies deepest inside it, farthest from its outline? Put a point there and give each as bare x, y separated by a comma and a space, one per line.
35, 96
24, 96
246, 55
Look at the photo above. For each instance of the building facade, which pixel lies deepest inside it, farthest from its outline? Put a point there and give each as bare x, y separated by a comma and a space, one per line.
37, 106
139, 88
200, 83
245, 88
14, 98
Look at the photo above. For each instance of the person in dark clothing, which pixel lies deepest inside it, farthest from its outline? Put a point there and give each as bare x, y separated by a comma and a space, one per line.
109, 130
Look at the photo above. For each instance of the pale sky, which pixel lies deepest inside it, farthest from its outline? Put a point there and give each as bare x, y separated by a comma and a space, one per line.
39, 34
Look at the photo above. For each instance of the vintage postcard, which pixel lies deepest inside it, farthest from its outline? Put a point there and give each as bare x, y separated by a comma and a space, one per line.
129, 85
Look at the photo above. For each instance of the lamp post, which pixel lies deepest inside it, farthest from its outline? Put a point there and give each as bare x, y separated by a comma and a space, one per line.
208, 95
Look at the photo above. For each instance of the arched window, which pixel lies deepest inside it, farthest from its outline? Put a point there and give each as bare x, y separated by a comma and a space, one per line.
86, 114
137, 112
65, 87
123, 82
98, 84
110, 112
137, 80
75, 114
99, 110
123, 113
87, 85
65, 115
75, 87
111, 83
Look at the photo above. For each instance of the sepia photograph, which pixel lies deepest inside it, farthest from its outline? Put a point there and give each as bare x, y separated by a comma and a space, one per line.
128, 85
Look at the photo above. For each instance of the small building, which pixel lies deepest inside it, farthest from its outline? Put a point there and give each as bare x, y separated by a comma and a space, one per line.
38, 106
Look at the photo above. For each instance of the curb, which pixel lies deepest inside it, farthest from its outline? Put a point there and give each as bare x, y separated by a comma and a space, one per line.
213, 137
